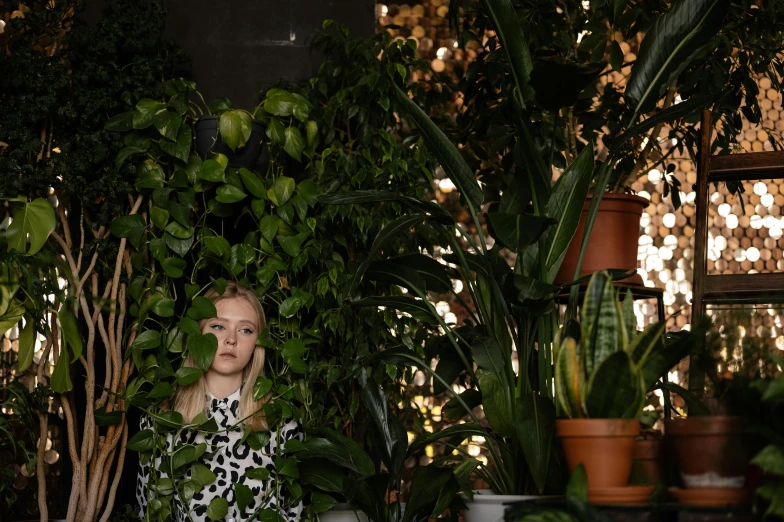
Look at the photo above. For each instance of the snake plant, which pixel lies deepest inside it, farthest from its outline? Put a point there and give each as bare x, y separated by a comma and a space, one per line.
604, 367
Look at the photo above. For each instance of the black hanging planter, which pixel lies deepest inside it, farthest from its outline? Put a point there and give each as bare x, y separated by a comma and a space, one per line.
209, 143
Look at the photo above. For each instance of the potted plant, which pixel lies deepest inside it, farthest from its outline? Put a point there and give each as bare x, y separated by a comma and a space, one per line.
569, 42
604, 370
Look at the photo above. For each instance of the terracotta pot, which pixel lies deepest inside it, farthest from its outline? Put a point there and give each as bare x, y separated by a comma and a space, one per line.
604, 446
649, 461
613, 242
709, 450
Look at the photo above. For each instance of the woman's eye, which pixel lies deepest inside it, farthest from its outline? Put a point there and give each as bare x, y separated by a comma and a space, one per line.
217, 327
247, 331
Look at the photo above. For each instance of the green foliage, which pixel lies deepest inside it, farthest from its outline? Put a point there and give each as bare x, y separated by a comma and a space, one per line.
768, 496
337, 464
709, 53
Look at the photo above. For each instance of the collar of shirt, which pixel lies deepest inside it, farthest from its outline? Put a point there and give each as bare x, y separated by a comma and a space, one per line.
227, 408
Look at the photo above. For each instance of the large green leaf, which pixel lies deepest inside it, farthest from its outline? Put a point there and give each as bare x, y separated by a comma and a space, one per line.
379, 196
418, 308
614, 389
495, 404
32, 221
426, 487
235, 127
565, 205
444, 150
665, 357
131, 227
669, 47
510, 32
391, 272
218, 508
517, 231
535, 426
387, 234
488, 355
61, 377
394, 439
322, 473
670, 114
26, 345
339, 450
70, 327
202, 348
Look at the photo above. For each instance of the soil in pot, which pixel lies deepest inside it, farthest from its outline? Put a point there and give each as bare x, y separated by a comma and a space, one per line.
709, 449
604, 446
614, 239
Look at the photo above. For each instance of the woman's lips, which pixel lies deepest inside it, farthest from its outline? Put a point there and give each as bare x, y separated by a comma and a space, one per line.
227, 356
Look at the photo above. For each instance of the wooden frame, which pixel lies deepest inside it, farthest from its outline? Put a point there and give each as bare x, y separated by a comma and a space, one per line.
734, 288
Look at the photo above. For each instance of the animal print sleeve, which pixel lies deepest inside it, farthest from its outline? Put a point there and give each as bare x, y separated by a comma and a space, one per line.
143, 475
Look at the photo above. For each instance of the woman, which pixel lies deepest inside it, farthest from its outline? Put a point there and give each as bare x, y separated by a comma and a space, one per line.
225, 393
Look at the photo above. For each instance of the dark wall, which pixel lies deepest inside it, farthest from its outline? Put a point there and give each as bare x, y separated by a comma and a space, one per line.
239, 47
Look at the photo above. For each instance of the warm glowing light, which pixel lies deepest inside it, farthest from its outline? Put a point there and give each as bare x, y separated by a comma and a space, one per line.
760, 188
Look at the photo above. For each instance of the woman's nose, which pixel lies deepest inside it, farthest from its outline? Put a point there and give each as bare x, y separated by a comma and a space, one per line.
231, 338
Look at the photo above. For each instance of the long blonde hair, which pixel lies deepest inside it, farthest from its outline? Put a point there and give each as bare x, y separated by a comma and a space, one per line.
192, 399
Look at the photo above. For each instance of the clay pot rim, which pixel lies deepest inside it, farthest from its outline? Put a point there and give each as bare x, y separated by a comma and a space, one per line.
622, 196
700, 425
597, 427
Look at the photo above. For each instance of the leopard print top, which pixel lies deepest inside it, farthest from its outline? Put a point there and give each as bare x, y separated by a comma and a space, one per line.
229, 460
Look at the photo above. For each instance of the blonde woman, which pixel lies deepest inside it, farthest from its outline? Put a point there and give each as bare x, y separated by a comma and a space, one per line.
225, 393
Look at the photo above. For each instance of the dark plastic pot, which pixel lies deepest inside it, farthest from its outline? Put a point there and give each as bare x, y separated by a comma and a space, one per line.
209, 143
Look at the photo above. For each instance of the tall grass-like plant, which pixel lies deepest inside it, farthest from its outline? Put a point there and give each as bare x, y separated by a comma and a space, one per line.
503, 352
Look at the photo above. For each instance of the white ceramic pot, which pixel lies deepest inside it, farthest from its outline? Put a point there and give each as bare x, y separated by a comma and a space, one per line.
489, 507
343, 513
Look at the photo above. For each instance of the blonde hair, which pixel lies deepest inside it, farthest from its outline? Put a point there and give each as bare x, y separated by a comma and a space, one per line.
192, 399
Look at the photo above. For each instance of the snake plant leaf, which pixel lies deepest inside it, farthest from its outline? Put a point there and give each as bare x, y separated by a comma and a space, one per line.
535, 428
613, 388
495, 405
387, 234
629, 320
417, 308
380, 196
517, 231
569, 379
600, 320
565, 205
513, 41
444, 150
669, 47
394, 439
644, 343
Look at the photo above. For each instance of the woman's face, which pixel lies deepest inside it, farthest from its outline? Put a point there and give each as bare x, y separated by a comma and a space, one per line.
237, 330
